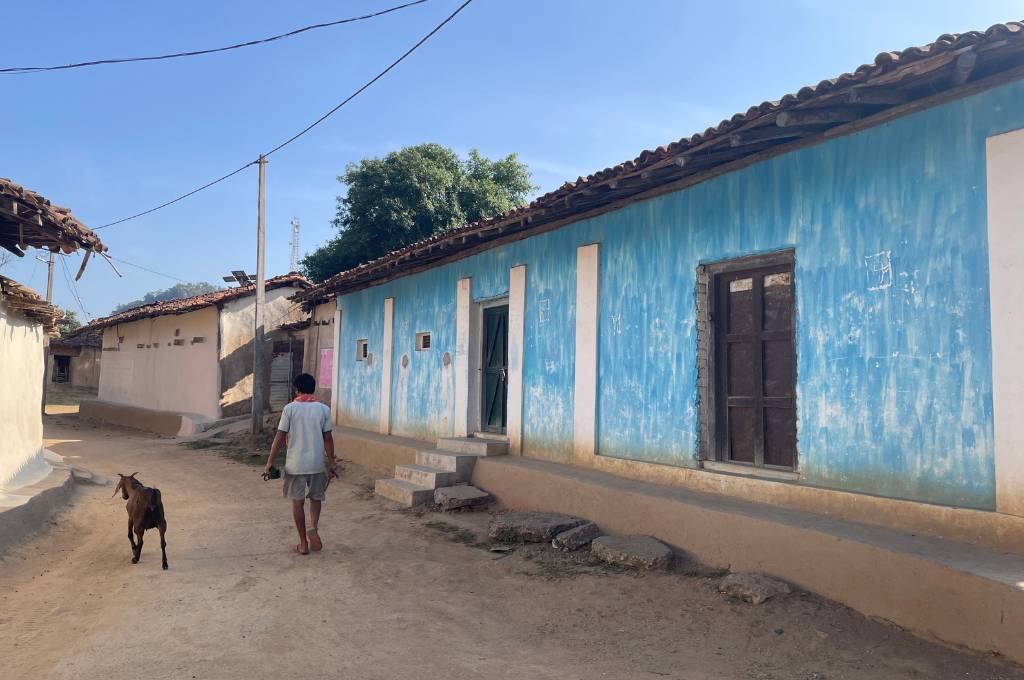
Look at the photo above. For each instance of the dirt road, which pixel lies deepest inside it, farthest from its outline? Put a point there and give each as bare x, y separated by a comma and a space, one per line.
393, 595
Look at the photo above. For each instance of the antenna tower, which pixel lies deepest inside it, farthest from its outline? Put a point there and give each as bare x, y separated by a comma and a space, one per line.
294, 266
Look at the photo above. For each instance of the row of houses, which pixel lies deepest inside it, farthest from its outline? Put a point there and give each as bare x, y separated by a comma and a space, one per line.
820, 290
812, 307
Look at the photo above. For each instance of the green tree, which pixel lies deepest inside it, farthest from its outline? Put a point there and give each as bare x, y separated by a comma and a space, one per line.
69, 323
175, 292
411, 194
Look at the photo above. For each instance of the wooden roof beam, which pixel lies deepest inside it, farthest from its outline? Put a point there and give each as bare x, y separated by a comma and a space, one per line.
963, 67
829, 116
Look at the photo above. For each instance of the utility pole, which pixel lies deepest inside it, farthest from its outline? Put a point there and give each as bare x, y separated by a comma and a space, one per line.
261, 292
49, 280
46, 339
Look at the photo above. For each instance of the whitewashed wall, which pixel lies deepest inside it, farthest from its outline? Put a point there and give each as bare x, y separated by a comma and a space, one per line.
21, 387
161, 375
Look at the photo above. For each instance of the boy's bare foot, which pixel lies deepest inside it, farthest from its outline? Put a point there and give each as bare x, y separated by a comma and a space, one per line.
302, 549
314, 539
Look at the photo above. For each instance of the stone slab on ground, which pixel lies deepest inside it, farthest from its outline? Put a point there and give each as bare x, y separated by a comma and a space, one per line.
531, 527
636, 552
752, 588
577, 537
462, 496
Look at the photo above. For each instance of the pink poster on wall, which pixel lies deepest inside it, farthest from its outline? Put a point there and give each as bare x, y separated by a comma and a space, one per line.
326, 368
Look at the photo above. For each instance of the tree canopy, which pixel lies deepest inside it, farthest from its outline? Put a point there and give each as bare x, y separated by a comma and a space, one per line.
175, 292
411, 194
69, 323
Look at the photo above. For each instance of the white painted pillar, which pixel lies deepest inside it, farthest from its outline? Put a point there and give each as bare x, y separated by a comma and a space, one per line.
1005, 172
335, 363
385, 367
516, 333
584, 431
462, 359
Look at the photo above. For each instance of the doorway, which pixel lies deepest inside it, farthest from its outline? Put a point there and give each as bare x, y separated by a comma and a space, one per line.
61, 369
494, 370
754, 362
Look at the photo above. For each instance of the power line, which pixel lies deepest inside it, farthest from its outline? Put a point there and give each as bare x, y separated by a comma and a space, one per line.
370, 82
73, 288
179, 198
308, 127
145, 269
18, 70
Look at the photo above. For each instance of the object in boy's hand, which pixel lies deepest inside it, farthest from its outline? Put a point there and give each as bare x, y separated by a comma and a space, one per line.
273, 474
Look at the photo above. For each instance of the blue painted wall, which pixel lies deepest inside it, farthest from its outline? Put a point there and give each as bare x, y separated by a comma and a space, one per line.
894, 364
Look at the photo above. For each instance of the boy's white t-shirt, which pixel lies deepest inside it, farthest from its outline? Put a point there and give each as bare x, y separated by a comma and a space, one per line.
305, 422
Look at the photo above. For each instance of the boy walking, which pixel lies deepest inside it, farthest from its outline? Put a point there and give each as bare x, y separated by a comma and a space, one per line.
309, 461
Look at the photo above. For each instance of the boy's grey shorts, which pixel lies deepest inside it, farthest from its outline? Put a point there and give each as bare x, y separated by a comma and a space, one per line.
313, 487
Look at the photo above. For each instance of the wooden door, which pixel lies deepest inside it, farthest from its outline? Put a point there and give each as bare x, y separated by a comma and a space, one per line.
495, 369
756, 361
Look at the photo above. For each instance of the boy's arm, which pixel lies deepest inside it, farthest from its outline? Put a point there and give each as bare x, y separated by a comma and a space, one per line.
329, 450
274, 448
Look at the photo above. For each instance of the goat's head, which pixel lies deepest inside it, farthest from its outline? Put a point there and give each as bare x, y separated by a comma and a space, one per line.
126, 482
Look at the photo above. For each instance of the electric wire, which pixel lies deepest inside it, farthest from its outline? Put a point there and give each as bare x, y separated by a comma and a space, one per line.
309, 127
18, 70
145, 269
73, 288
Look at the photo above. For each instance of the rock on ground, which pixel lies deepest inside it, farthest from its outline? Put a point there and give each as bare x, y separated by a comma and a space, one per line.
637, 552
531, 527
452, 497
577, 537
752, 588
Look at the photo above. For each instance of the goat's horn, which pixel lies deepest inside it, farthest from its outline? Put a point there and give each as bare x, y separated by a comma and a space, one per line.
133, 474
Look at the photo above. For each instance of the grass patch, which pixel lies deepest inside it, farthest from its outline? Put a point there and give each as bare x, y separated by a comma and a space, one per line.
233, 451
199, 444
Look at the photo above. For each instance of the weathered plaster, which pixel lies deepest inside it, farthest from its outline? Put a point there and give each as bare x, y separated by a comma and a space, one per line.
514, 385
21, 375
384, 424
237, 324
893, 339
160, 375
462, 356
588, 263
1005, 157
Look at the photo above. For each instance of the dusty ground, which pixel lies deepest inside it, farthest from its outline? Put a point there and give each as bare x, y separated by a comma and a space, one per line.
394, 595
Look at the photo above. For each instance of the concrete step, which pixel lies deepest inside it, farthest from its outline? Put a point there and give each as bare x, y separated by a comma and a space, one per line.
402, 492
459, 463
423, 475
473, 445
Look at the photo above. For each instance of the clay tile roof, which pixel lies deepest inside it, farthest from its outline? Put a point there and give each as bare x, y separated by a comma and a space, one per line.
191, 304
28, 219
894, 84
29, 304
89, 339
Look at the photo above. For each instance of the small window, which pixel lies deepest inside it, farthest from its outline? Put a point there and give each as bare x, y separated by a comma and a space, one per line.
422, 341
198, 339
178, 342
362, 349
177, 332
140, 346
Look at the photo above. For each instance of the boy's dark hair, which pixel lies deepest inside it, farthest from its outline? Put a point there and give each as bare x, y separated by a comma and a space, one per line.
305, 383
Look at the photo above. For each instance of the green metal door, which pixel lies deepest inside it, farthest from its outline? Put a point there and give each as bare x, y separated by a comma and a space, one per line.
495, 369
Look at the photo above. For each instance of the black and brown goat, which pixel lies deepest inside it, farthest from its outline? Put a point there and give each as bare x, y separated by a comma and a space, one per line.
145, 511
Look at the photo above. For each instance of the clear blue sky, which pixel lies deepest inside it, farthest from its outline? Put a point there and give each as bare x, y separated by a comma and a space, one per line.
572, 86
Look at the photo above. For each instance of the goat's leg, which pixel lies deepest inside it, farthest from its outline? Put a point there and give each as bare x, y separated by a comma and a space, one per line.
138, 548
131, 539
163, 544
